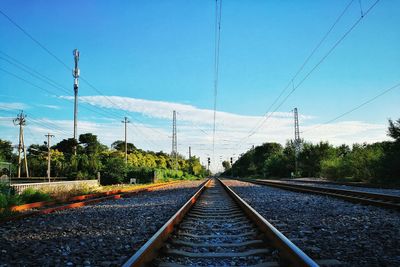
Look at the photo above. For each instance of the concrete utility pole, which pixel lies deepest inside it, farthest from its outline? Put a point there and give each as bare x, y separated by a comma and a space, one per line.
174, 152
126, 121
297, 140
21, 121
75, 74
48, 154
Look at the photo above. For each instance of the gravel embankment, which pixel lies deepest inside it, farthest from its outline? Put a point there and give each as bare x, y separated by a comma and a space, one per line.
328, 228
394, 192
105, 234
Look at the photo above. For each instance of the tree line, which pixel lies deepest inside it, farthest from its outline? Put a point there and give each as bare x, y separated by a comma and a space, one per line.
374, 163
92, 157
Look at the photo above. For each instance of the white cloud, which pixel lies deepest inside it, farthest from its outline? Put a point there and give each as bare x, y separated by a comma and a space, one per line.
50, 106
11, 106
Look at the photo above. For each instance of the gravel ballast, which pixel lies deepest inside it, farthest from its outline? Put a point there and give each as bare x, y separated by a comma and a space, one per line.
328, 228
105, 234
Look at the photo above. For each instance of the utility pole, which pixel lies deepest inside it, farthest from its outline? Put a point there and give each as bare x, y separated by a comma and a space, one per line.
297, 140
190, 152
21, 121
174, 152
75, 74
125, 121
48, 154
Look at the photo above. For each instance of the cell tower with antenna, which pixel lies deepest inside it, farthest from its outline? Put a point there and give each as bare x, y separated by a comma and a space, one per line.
75, 74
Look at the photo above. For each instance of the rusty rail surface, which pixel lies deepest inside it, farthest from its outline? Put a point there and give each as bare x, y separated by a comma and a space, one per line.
155, 246
380, 200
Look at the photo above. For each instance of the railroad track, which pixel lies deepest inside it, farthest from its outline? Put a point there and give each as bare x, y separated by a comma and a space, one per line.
217, 228
380, 200
354, 184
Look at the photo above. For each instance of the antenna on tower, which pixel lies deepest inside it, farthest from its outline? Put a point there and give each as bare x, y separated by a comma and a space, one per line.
75, 74
297, 141
174, 152
21, 121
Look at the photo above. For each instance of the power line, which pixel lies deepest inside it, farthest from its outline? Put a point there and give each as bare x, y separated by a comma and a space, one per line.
34, 40
314, 68
58, 59
49, 81
356, 107
291, 82
218, 15
33, 72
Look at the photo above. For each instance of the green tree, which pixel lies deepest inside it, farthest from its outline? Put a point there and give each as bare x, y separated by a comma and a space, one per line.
6, 151
120, 146
311, 157
66, 146
226, 164
394, 130
114, 171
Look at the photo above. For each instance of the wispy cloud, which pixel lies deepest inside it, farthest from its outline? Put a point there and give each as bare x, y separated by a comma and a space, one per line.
186, 113
49, 106
13, 106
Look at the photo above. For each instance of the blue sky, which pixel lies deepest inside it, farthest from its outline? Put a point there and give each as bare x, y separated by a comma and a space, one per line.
144, 51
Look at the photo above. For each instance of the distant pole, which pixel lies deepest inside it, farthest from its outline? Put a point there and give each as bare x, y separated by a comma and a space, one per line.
126, 121
231, 160
75, 74
48, 154
296, 139
21, 121
190, 152
174, 152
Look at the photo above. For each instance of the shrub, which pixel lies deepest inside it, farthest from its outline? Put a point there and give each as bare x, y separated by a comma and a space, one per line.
61, 193
31, 195
8, 197
114, 171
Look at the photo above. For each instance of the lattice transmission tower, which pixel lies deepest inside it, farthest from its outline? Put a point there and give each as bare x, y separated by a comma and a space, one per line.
297, 141
174, 152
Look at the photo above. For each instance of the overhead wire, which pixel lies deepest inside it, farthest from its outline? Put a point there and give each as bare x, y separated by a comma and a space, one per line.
356, 107
291, 82
60, 61
51, 82
218, 16
315, 67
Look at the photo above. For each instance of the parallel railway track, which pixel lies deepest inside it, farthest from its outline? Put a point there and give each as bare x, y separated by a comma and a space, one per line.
380, 200
217, 228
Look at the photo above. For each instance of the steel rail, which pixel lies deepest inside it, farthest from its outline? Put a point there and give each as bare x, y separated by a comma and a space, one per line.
150, 250
380, 200
291, 252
